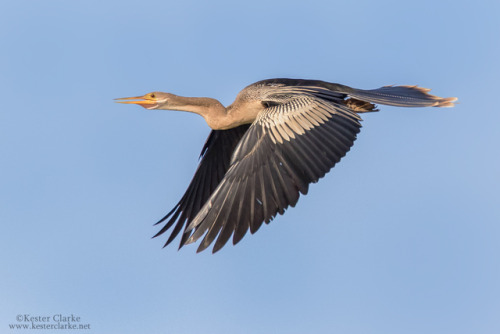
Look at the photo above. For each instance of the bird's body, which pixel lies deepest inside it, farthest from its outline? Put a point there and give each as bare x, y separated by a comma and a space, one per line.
276, 138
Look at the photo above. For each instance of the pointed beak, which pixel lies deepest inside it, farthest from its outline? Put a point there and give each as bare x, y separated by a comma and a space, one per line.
144, 101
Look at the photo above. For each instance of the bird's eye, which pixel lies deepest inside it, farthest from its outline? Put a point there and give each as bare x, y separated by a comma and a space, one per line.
152, 95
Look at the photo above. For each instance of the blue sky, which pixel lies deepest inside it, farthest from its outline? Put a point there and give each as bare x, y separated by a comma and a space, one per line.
403, 236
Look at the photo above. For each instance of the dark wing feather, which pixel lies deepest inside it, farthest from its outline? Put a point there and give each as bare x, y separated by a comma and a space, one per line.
288, 147
215, 158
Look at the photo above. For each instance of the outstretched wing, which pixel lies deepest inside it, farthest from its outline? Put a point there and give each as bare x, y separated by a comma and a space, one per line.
215, 158
289, 146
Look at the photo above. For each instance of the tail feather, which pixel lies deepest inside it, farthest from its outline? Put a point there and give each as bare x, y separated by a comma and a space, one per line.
401, 96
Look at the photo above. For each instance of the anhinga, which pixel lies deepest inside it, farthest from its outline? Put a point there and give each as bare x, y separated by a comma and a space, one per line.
277, 137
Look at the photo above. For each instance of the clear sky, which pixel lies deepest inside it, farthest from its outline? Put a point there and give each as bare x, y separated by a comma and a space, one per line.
403, 236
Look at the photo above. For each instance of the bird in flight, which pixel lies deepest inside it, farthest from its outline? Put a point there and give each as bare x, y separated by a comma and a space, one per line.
276, 138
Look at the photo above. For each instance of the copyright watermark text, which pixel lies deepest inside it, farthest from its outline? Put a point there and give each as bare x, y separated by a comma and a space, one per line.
54, 321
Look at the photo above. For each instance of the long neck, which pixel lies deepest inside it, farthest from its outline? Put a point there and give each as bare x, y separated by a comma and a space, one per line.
213, 111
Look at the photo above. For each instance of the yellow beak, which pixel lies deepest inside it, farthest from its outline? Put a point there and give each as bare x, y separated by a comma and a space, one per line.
144, 101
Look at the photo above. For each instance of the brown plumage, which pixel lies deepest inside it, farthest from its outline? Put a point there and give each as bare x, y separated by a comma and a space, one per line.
277, 137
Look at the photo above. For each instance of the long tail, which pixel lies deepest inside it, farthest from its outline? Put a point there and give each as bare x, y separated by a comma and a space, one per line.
401, 96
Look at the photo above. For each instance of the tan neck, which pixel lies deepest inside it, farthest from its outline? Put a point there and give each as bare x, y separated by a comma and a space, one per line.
213, 111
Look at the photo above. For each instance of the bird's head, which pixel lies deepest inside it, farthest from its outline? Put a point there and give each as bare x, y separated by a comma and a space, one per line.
154, 100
